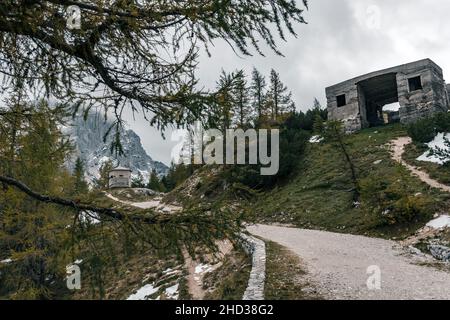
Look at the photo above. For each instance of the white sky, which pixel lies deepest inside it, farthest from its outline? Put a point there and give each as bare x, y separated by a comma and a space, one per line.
343, 39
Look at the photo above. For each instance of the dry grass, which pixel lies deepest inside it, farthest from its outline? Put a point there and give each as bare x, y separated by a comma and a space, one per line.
285, 276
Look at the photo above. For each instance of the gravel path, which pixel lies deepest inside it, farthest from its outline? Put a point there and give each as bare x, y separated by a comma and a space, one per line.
338, 265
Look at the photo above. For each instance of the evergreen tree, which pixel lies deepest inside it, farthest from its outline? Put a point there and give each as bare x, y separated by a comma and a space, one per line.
225, 100
154, 183
241, 100
102, 182
32, 233
334, 133
280, 98
148, 67
316, 105
258, 93
138, 181
80, 185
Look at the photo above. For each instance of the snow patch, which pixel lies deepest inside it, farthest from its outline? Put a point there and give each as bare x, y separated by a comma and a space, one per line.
440, 223
89, 217
203, 268
143, 292
6, 261
170, 272
172, 292
438, 142
315, 139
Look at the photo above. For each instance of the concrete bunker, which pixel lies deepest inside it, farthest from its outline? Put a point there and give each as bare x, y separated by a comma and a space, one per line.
418, 89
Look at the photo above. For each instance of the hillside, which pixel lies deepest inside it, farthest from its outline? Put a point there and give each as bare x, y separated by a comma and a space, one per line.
394, 204
317, 195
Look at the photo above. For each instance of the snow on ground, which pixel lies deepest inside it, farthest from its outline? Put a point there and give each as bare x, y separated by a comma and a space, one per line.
143, 292
170, 272
203, 268
172, 292
315, 139
6, 261
438, 142
439, 223
89, 217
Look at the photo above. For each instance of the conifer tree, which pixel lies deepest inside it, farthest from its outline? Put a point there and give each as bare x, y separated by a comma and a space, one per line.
32, 234
258, 93
154, 183
80, 185
280, 97
241, 100
138, 181
102, 182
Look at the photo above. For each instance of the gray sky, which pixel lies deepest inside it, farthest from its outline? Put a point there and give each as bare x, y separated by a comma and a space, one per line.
343, 39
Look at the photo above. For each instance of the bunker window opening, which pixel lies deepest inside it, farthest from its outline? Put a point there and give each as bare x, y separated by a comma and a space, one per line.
415, 84
341, 100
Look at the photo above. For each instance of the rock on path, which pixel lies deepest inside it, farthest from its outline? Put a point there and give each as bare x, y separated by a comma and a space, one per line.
337, 265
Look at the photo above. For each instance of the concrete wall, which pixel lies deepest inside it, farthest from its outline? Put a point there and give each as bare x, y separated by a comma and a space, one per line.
257, 249
120, 179
432, 98
350, 113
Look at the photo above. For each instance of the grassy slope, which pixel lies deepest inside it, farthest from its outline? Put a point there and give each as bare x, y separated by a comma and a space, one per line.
436, 171
317, 195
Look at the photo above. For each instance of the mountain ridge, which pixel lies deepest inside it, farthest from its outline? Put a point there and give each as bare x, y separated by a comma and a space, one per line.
88, 134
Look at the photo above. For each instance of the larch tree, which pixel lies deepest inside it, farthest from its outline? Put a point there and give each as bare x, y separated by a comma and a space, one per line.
281, 99
80, 184
131, 55
258, 93
241, 99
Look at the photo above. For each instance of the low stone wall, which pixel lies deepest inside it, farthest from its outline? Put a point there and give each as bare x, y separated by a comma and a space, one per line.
257, 249
440, 252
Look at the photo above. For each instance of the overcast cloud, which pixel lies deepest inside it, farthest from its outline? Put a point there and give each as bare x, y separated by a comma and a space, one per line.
343, 39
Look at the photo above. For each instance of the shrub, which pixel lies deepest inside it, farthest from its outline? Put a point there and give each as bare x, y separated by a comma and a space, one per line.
391, 201
292, 147
424, 130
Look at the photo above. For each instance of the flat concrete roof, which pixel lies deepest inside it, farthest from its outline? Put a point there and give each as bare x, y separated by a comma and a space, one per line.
396, 69
121, 169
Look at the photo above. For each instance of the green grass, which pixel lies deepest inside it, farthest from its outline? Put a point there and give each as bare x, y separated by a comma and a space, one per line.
436, 171
285, 276
317, 196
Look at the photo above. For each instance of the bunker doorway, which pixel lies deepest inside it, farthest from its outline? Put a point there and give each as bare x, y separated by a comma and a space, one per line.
374, 94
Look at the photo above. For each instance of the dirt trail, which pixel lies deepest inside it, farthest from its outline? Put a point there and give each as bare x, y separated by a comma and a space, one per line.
153, 204
338, 265
197, 270
398, 148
